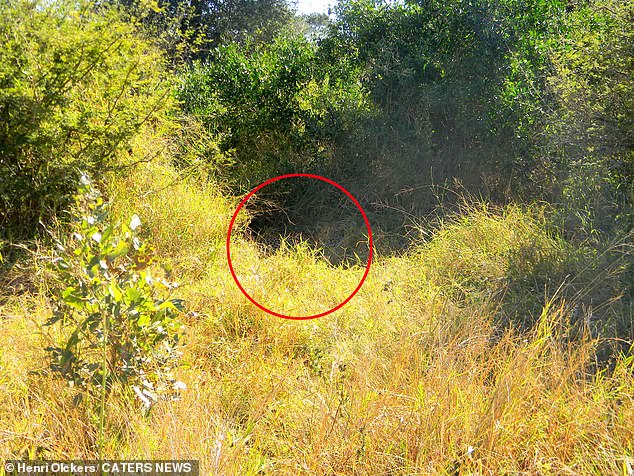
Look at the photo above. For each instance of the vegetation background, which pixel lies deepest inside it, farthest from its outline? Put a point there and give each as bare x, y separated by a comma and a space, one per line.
491, 143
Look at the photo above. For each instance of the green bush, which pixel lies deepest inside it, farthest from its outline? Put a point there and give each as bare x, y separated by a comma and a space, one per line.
274, 105
118, 326
76, 84
590, 137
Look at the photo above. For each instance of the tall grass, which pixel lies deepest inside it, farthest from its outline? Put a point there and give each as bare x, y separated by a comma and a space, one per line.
423, 372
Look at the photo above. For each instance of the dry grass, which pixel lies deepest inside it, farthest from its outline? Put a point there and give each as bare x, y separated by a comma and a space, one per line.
416, 375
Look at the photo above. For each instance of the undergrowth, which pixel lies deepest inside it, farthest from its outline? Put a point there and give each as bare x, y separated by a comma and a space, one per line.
472, 353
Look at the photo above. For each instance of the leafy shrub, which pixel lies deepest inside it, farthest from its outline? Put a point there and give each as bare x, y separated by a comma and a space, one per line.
76, 84
590, 139
119, 329
274, 105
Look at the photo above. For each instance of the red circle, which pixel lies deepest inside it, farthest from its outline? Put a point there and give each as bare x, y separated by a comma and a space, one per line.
323, 179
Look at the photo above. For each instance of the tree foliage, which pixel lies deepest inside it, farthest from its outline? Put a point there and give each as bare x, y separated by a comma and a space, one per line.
591, 134
76, 84
207, 24
511, 99
506, 97
274, 105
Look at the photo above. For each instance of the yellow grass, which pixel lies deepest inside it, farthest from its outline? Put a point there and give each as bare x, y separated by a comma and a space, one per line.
416, 375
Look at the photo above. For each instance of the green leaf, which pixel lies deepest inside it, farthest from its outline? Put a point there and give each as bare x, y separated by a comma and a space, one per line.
179, 304
107, 233
115, 291
119, 250
167, 305
133, 295
143, 320
71, 298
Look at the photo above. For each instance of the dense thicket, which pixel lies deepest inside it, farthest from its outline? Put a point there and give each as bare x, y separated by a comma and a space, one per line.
504, 98
588, 131
404, 102
193, 28
76, 85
